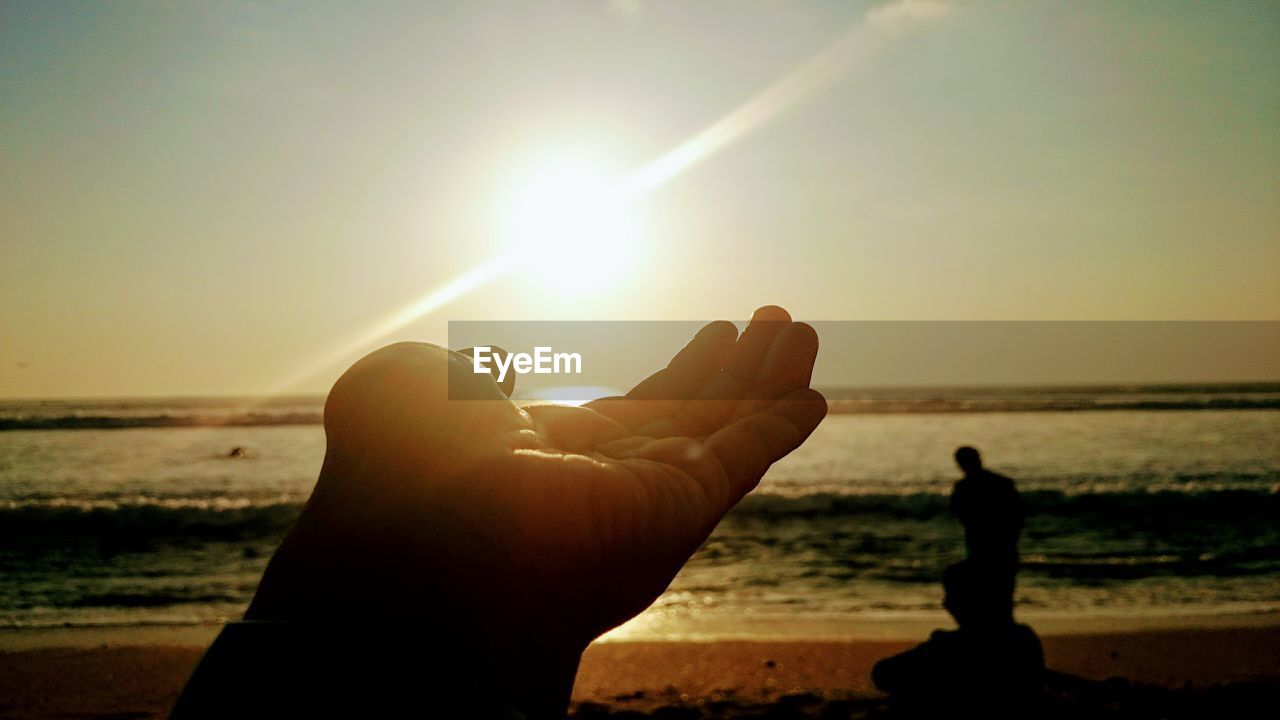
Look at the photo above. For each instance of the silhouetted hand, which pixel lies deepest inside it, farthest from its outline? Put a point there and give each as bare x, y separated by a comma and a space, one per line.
524, 533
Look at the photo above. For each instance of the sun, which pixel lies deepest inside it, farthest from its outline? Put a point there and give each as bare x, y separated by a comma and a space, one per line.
571, 226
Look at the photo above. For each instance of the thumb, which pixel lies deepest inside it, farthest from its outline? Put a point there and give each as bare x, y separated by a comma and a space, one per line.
506, 385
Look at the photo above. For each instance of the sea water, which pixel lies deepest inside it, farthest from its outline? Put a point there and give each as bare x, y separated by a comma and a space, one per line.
1141, 502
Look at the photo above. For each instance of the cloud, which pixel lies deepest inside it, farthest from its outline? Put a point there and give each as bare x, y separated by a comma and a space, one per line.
900, 13
629, 9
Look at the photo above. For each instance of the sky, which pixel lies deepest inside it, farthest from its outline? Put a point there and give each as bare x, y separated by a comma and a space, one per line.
241, 198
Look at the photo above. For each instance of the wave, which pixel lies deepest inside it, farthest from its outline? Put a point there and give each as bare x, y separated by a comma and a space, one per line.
947, 405
1255, 559
230, 519
117, 422
57, 522
151, 599
171, 549
928, 506
66, 415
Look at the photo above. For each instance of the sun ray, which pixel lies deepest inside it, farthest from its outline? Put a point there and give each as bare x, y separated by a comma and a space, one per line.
856, 45
860, 42
485, 272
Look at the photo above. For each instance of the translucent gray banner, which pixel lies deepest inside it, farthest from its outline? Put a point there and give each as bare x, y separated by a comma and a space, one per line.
901, 366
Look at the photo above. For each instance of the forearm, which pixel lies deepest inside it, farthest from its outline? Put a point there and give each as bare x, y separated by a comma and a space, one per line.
281, 669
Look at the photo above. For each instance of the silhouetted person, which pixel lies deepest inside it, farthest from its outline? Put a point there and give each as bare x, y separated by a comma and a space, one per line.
989, 507
457, 556
991, 667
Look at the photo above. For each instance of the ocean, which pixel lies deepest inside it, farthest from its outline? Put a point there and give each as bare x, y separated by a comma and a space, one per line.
1142, 502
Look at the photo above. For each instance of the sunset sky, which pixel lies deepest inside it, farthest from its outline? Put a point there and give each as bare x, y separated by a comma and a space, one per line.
227, 198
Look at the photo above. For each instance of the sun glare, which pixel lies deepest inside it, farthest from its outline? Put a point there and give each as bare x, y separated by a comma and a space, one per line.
571, 227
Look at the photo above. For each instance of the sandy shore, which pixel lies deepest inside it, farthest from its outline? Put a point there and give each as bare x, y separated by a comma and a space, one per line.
715, 679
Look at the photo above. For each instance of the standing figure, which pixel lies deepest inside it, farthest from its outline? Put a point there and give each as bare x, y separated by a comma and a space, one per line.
989, 507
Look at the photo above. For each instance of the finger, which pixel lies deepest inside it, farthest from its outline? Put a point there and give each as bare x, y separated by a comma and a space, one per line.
574, 429
788, 367
507, 385
660, 394
751, 349
398, 408
696, 361
747, 447
717, 400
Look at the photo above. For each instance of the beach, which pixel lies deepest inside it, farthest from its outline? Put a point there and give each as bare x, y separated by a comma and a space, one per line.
1190, 672
1148, 565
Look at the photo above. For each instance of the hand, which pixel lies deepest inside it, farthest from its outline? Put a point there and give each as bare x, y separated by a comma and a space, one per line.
525, 533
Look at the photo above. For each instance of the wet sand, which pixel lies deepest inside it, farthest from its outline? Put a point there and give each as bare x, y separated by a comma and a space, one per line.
1199, 670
